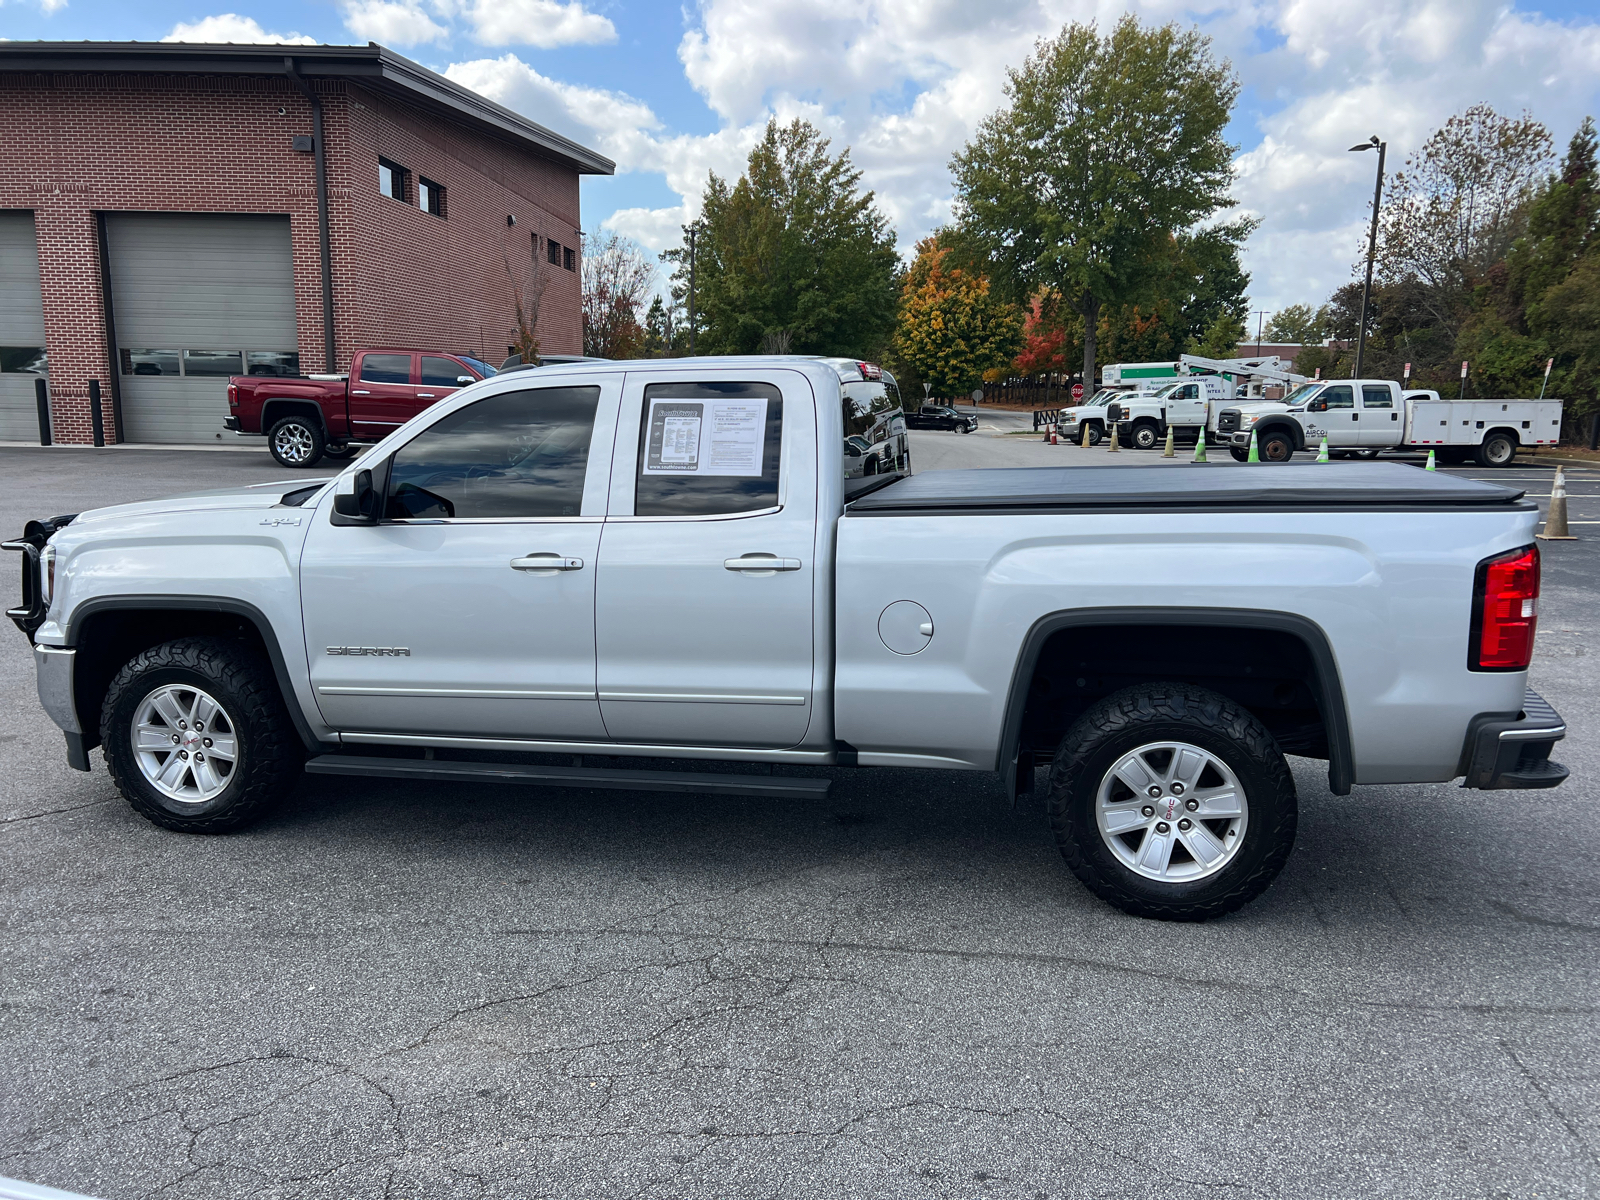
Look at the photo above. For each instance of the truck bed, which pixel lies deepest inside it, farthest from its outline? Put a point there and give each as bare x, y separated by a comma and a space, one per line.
1187, 487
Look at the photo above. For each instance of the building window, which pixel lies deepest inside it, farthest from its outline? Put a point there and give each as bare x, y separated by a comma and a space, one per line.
22, 359
552, 251
430, 196
213, 362
569, 258
392, 180
282, 363
150, 362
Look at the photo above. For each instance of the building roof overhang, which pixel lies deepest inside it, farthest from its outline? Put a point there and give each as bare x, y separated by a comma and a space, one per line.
374, 66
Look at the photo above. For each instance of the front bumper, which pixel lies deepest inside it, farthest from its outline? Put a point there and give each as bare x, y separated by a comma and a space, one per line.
54, 667
1241, 438
1514, 752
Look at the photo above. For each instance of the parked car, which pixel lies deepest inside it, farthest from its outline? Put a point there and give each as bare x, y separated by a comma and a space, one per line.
1364, 417
663, 561
940, 416
307, 418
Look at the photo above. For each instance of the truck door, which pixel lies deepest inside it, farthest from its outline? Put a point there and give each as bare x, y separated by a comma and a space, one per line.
469, 610
704, 610
1337, 413
1187, 405
383, 393
1380, 419
438, 378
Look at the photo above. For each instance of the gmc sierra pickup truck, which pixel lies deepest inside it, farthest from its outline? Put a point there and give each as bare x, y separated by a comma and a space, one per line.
653, 563
308, 418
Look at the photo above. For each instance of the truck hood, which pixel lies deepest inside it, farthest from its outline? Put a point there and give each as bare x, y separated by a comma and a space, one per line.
255, 495
1257, 407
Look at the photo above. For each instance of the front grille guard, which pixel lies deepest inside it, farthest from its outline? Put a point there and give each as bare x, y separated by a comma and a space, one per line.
30, 614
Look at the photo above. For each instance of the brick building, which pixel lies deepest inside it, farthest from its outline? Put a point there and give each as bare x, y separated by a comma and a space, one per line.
170, 215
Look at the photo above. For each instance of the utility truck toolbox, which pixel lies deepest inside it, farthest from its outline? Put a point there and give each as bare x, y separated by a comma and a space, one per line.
687, 561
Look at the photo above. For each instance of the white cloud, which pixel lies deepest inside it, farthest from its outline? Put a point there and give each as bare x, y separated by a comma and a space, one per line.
542, 23
904, 83
392, 22
231, 27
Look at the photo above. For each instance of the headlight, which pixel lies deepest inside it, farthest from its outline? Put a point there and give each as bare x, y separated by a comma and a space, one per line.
47, 574
1247, 419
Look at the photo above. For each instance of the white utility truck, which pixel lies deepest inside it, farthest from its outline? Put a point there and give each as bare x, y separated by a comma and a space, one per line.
1364, 417
1194, 401
586, 575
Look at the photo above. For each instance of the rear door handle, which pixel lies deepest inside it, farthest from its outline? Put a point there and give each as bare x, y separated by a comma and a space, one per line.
761, 562
546, 561
424, 395
361, 392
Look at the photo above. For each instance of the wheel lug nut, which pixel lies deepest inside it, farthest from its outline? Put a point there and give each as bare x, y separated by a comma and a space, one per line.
183, 754
1147, 811
1186, 824
198, 726
183, 725
176, 739
1163, 827
207, 741
1191, 805
201, 758
1153, 791
1177, 789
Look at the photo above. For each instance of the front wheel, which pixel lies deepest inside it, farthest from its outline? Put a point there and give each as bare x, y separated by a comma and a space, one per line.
1275, 447
296, 441
1145, 436
1095, 436
1171, 801
197, 737
1239, 455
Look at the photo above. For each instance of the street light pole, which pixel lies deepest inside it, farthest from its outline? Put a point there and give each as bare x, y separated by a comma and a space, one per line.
1372, 248
1259, 315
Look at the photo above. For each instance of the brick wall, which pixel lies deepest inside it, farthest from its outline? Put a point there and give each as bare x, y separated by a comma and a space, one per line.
80, 144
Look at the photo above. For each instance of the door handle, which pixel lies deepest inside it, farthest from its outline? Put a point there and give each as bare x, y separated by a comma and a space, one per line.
761, 562
546, 561
361, 392
424, 395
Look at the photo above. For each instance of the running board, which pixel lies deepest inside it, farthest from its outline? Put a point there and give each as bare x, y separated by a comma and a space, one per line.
705, 782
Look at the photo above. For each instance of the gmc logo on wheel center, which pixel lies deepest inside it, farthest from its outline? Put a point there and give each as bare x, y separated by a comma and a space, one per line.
372, 651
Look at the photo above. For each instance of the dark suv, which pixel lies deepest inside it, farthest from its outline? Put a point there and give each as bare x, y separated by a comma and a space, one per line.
940, 416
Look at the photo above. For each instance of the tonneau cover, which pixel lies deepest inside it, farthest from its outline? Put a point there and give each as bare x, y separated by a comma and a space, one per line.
1362, 485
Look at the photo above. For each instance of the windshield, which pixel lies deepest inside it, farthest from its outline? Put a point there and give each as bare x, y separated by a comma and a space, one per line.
1301, 393
478, 365
1167, 391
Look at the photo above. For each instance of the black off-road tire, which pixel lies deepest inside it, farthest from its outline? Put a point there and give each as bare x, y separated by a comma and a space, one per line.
1148, 713
270, 757
296, 441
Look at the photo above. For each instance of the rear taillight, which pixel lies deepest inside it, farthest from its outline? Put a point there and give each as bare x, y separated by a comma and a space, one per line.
233, 395
1505, 611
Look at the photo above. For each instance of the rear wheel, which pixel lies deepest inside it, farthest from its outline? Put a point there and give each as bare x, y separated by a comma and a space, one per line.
1368, 453
296, 441
1145, 436
1170, 801
197, 737
1275, 447
1239, 455
1499, 449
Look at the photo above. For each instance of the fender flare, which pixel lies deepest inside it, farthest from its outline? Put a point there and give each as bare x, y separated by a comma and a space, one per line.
1329, 690
96, 605
296, 403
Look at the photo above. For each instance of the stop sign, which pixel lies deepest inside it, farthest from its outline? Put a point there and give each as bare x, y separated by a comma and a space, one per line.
1077, 392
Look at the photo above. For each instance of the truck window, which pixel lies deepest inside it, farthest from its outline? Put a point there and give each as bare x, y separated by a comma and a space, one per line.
441, 372
386, 368
708, 448
518, 454
1339, 395
1376, 395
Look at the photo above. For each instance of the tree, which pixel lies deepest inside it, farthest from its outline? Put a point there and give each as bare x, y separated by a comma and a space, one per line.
527, 291
1299, 324
793, 249
617, 276
1108, 148
952, 328
1220, 340
1046, 341
1458, 205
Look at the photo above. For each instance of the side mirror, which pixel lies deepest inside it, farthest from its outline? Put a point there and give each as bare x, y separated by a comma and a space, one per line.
853, 450
463, 380
361, 506
1317, 406
1113, 412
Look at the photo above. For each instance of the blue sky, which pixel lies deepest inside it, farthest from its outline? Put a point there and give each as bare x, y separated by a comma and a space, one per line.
672, 91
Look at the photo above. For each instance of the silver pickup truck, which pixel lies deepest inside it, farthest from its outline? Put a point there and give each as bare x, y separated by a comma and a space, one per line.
637, 562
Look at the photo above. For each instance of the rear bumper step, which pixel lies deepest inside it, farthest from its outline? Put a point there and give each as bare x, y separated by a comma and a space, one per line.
1503, 753
704, 782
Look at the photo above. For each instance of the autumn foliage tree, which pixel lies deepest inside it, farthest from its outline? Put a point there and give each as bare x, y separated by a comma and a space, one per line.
952, 328
617, 279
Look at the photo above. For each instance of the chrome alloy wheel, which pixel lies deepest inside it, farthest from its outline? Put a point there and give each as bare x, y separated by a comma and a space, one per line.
292, 444
185, 743
1172, 812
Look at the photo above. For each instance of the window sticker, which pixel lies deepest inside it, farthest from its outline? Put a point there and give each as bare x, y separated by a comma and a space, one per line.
706, 437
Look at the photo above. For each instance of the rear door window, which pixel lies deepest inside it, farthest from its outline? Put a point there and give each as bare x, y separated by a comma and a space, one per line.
1376, 396
707, 449
516, 454
386, 368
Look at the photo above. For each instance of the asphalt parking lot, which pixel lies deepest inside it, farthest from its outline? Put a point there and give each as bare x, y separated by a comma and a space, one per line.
411, 991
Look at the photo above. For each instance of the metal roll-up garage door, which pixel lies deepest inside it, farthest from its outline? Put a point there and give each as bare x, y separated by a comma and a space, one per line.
21, 328
197, 298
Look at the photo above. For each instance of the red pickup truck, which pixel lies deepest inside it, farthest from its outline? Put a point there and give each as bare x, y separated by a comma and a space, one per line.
308, 417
